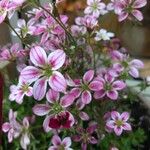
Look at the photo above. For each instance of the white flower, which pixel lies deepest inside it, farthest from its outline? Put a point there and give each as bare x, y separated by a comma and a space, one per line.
102, 34
95, 7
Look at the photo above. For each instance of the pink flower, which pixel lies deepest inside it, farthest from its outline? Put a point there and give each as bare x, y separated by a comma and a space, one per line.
95, 7
125, 65
25, 28
110, 87
18, 92
84, 88
45, 70
25, 138
118, 122
59, 144
4, 6
62, 120
86, 136
129, 8
12, 127
50, 27
54, 109
11, 53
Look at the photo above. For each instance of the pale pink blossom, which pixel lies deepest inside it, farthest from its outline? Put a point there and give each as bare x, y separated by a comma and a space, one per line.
11, 53
25, 137
13, 127
89, 138
25, 28
45, 71
85, 87
95, 7
110, 87
60, 144
50, 26
18, 92
125, 65
118, 122
129, 8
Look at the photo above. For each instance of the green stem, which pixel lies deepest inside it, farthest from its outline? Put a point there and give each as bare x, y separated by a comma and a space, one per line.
59, 22
11, 27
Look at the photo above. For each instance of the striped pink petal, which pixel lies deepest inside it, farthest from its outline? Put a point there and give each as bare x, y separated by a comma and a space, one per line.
41, 109
39, 88
56, 59
86, 97
137, 14
52, 96
88, 76
38, 56
30, 74
57, 82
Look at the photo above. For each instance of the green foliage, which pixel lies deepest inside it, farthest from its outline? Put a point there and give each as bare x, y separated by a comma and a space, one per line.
129, 141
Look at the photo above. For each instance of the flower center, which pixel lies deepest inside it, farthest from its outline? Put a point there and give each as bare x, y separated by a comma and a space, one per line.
107, 87
25, 87
119, 123
94, 6
125, 64
61, 147
84, 87
47, 71
57, 108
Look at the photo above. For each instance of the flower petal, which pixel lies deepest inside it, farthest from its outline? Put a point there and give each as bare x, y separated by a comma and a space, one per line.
66, 142
125, 116
39, 88
67, 100
95, 85
122, 16
110, 124
57, 82
118, 85
137, 14
99, 94
38, 56
139, 3
30, 74
88, 76
41, 109
52, 96
127, 126
137, 63
84, 116
56, 140
134, 72
112, 94
118, 130
86, 97
6, 126
56, 59
115, 115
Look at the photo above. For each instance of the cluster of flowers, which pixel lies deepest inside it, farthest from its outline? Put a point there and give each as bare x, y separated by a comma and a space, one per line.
44, 76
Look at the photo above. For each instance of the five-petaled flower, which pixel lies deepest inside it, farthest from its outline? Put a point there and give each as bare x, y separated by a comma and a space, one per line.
86, 136
118, 122
85, 87
95, 7
110, 87
129, 8
45, 70
59, 144
56, 111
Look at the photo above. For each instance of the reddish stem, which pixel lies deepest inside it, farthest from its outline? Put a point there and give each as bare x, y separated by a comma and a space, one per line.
1, 105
